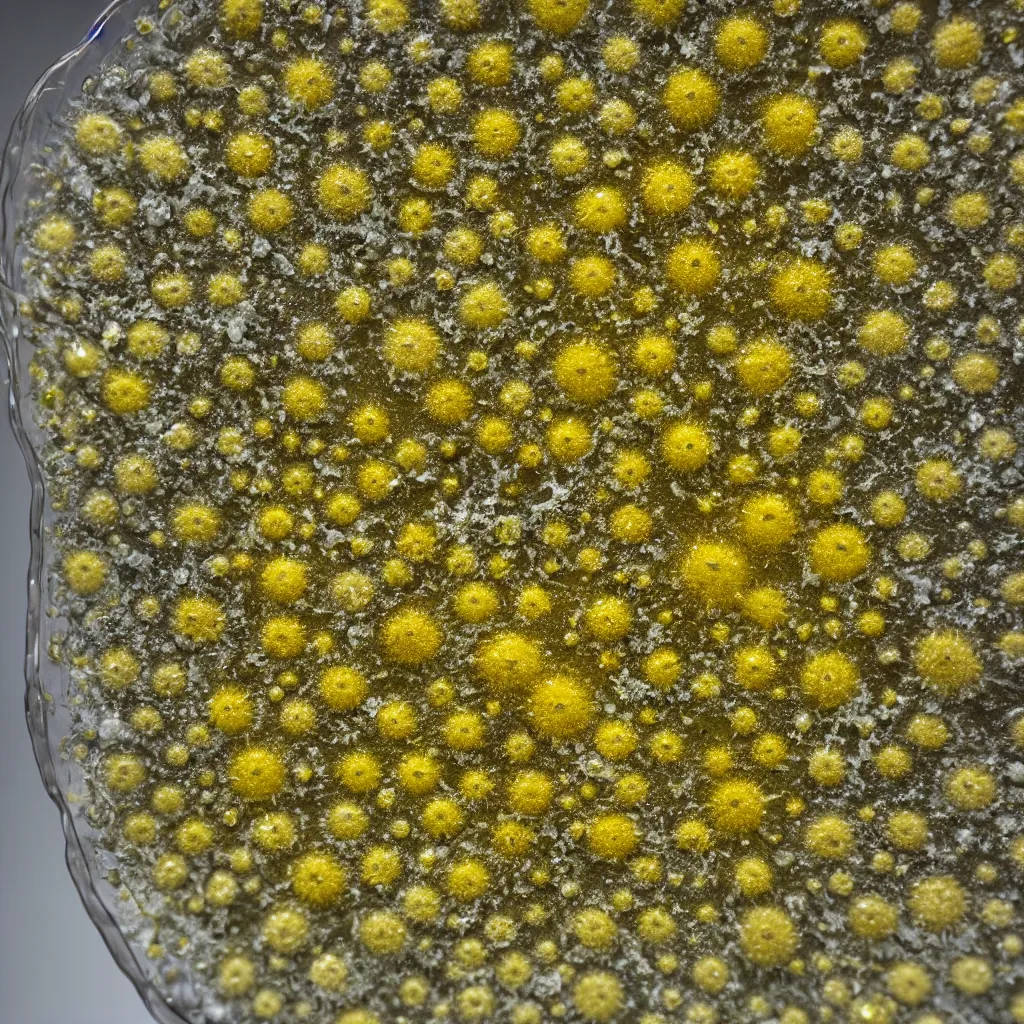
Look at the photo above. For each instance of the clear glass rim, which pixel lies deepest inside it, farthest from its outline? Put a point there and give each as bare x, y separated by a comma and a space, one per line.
17, 155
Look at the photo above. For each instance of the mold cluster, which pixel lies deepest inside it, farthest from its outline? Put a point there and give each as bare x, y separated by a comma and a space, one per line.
537, 505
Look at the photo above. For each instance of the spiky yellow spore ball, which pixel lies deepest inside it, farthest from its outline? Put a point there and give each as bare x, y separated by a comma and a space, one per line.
85, 572
654, 354
608, 618
270, 210
561, 708
659, 13
764, 365
484, 306
274, 831
754, 668
612, 836
768, 521
872, 917
114, 207
829, 837
108, 264
716, 572
802, 290
241, 18
576, 94
842, 43
569, 439
344, 192
970, 789
937, 902
586, 371
509, 660
768, 936
598, 996
98, 134
207, 69
829, 680
910, 153
600, 210
947, 661
839, 553
411, 345
734, 173
630, 524
895, 264
957, 43
496, 133
741, 43
568, 156
163, 158
317, 879
883, 332
976, 372
558, 16
737, 806
283, 637
692, 267
691, 98
433, 166
125, 393
790, 125
256, 773
938, 480
595, 928
231, 710
55, 235
592, 277
284, 580
309, 82
617, 117
410, 636
667, 188
303, 399
199, 619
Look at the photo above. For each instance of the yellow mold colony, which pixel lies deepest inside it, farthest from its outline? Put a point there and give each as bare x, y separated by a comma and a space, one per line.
538, 508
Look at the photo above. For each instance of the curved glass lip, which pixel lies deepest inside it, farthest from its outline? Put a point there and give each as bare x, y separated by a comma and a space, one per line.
25, 134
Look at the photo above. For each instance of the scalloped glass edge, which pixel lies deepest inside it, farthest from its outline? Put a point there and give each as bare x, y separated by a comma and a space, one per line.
43, 707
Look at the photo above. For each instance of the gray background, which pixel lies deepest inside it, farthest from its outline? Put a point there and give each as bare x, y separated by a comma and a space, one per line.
54, 968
